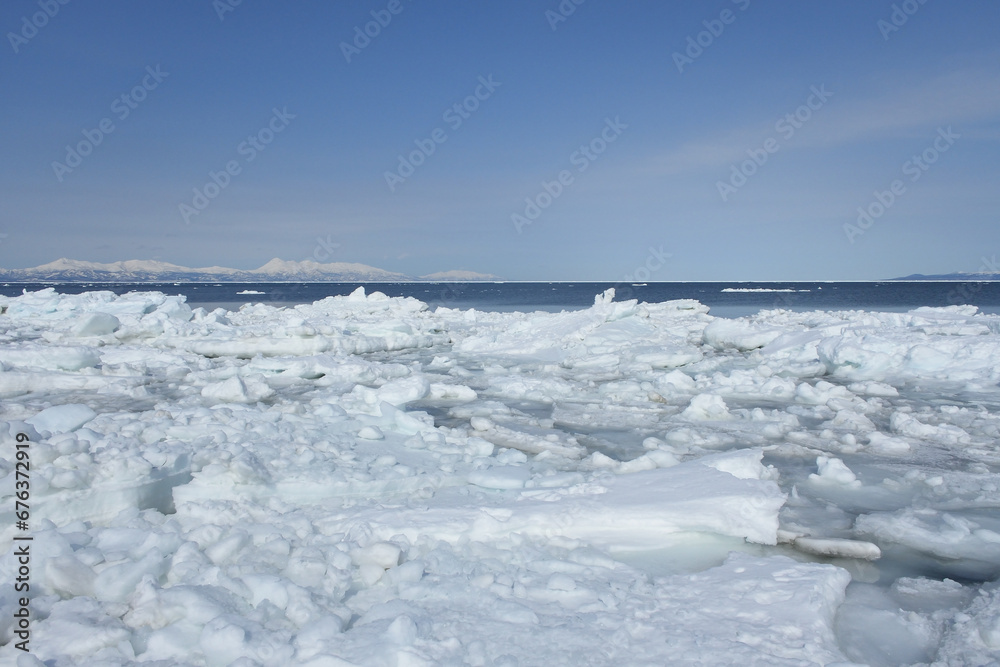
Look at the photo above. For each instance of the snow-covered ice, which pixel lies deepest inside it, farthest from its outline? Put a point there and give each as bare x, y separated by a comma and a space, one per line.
366, 481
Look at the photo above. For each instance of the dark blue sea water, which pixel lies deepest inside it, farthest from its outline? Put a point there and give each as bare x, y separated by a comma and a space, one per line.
725, 299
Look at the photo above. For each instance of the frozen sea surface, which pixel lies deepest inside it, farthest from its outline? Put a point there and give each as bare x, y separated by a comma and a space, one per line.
726, 299
365, 480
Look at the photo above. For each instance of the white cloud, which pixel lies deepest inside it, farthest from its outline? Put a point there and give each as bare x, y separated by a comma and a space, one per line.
900, 109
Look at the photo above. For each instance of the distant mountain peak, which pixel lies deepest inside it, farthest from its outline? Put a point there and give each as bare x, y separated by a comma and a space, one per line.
309, 269
277, 265
460, 276
136, 270
977, 276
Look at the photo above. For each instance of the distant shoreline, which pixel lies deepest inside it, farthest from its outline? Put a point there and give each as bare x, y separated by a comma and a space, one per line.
169, 281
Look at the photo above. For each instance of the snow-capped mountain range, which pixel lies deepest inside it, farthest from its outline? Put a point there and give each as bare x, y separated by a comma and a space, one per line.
277, 270
953, 276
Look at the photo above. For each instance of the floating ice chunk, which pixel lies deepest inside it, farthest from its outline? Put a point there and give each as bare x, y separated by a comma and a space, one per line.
409, 423
858, 358
403, 391
721, 612
645, 462
53, 357
794, 343
834, 471
970, 546
17, 383
396, 393
511, 457
909, 425
223, 641
542, 389
502, 436
118, 582
741, 464
605, 298
563, 337
600, 460
820, 393
973, 637
594, 362
97, 324
28, 660
100, 492
78, 629
958, 313
501, 477
371, 433
402, 631
637, 511
247, 347
670, 358
513, 612
662, 458
68, 577
406, 573
925, 360
238, 390
270, 587
61, 418
873, 630
929, 595
887, 444
851, 421
228, 547
174, 307
675, 382
561, 582
873, 388
753, 384
451, 392
480, 424
739, 334
317, 637
379, 554
706, 407
838, 548
652, 443
643, 510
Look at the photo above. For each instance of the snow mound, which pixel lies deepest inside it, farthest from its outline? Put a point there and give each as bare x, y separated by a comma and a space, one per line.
61, 419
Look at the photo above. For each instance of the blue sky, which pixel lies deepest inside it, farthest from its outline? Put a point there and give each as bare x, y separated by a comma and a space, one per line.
744, 157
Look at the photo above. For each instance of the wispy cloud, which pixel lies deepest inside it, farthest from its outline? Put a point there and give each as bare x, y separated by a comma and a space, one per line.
963, 96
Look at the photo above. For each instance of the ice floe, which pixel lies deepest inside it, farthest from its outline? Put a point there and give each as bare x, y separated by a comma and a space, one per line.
366, 481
